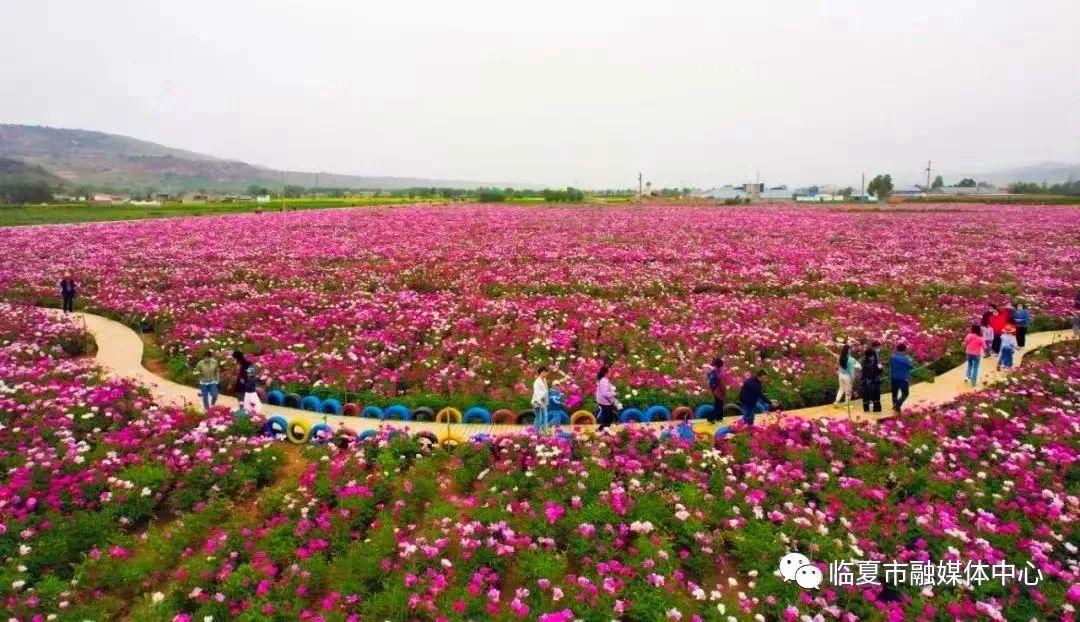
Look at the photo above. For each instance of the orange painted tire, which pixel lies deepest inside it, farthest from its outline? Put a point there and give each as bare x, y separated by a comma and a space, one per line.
682, 413
503, 417
350, 410
448, 415
582, 417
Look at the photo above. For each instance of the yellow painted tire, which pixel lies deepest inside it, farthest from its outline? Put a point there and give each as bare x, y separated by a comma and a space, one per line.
582, 417
450, 440
448, 415
294, 436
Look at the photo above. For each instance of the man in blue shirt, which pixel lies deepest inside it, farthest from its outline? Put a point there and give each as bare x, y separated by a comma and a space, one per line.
1021, 318
900, 366
752, 397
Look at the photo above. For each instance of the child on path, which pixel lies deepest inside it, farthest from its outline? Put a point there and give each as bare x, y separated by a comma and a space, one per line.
605, 398
1008, 347
251, 403
717, 388
987, 335
540, 400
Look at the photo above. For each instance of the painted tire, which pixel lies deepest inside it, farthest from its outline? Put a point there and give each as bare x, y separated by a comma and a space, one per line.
450, 440
477, 414
559, 417
275, 397
657, 413
721, 432
448, 415
685, 432
372, 412
331, 407
312, 403
480, 438
682, 413
367, 434
292, 400
703, 411
430, 437
583, 417
276, 425
397, 412
351, 410
704, 436
526, 417
566, 435
320, 433
343, 439
632, 415
423, 413
503, 417
298, 432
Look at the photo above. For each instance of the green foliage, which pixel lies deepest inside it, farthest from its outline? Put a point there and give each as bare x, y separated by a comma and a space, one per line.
880, 186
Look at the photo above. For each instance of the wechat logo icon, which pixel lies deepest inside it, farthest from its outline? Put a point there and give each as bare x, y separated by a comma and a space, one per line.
797, 567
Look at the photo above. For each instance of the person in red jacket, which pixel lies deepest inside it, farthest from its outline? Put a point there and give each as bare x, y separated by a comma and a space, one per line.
998, 321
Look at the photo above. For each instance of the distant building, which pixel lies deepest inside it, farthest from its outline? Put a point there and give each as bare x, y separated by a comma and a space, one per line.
747, 192
108, 199
262, 198
909, 191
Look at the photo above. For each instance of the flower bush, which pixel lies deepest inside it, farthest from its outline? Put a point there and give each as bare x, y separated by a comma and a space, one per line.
436, 305
86, 460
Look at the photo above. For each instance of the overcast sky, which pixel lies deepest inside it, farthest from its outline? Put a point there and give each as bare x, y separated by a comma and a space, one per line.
582, 92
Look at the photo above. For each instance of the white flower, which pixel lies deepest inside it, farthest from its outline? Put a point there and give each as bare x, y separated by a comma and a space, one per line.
18, 585
157, 597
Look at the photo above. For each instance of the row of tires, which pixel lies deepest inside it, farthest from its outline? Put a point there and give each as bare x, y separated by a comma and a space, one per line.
300, 432
481, 415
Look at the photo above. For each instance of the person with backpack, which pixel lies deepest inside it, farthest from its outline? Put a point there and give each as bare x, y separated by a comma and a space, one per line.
973, 348
717, 388
900, 366
605, 398
871, 379
847, 366
67, 293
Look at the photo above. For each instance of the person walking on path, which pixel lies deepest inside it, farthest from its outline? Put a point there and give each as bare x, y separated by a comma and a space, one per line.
987, 335
209, 379
973, 348
845, 375
67, 293
1076, 315
605, 398
717, 388
900, 366
1021, 319
871, 379
752, 397
540, 400
1008, 347
242, 365
998, 321
251, 403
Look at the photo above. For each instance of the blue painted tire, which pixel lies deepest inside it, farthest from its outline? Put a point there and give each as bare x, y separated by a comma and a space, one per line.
477, 414
320, 433
722, 431
559, 417
397, 412
366, 434
703, 411
657, 413
331, 407
480, 438
275, 425
685, 432
372, 412
275, 397
632, 414
312, 403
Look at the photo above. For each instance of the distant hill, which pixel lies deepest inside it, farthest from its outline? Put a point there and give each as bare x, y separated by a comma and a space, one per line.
18, 172
1050, 172
83, 157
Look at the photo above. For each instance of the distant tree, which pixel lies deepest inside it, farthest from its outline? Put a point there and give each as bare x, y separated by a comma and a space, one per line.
880, 186
257, 191
490, 195
847, 192
938, 183
26, 192
294, 192
967, 182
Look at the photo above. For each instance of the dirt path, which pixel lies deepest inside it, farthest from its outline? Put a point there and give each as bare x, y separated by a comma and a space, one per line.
120, 351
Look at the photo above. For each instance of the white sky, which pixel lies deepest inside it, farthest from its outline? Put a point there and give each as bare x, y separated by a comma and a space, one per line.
582, 92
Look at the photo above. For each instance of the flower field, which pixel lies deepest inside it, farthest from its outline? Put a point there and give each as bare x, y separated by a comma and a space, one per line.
437, 305
113, 507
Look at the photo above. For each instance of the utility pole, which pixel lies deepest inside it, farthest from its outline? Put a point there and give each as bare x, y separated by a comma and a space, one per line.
928, 175
862, 186
640, 188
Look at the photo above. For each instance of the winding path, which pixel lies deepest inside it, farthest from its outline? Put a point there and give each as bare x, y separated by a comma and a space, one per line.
120, 353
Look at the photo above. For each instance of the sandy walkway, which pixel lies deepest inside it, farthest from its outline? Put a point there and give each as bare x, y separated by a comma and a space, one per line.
120, 352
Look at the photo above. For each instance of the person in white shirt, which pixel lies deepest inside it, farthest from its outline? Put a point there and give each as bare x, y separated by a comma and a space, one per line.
540, 400
605, 398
